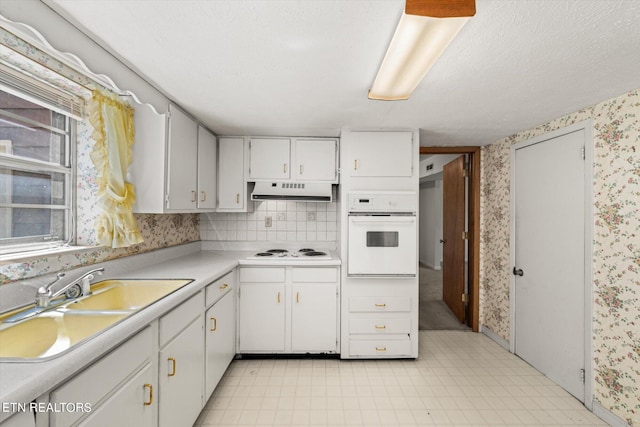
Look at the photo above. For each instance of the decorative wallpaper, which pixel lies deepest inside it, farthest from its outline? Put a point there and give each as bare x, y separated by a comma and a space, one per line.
616, 240
158, 231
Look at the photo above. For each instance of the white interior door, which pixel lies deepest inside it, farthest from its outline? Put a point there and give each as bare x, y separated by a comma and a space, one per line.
549, 236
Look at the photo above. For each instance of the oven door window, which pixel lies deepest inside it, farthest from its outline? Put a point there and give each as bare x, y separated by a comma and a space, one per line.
382, 239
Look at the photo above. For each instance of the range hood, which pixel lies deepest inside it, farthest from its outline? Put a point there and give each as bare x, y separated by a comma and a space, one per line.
293, 191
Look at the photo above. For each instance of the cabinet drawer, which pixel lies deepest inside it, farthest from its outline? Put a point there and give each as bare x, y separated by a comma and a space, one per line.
380, 326
315, 275
178, 318
262, 275
379, 348
217, 289
102, 377
379, 304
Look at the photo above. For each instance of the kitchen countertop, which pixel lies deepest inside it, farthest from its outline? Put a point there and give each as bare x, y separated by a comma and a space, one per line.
26, 381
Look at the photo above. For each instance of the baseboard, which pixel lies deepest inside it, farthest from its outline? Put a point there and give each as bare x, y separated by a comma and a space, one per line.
495, 337
608, 417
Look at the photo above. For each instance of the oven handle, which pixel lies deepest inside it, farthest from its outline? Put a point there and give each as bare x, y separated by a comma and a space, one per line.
364, 220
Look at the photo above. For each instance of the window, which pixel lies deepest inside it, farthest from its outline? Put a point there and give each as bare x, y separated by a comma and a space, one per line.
36, 174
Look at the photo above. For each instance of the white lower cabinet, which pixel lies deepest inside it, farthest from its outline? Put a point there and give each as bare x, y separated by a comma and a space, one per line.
262, 317
101, 386
288, 309
132, 404
181, 365
220, 332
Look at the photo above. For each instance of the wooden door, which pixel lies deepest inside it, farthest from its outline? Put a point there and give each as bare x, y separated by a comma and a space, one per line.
453, 226
549, 288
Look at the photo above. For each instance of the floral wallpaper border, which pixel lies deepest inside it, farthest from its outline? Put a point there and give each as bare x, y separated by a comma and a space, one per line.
616, 241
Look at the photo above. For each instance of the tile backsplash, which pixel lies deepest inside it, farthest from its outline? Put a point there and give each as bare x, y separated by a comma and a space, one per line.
289, 221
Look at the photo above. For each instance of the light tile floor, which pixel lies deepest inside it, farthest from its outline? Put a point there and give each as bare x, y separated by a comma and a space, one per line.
461, 378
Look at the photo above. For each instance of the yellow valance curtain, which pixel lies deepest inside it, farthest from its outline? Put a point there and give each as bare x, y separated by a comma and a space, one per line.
112, 121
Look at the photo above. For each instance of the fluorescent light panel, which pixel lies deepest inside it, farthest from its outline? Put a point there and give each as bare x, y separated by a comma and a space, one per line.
416, 45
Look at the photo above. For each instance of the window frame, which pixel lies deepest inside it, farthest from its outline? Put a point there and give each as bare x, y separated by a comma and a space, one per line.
67, 167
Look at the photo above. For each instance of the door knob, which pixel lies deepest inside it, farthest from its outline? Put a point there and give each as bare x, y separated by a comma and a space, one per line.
443, 241
518, 272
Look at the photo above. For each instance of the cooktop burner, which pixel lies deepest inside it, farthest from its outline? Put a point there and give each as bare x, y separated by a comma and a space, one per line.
283, 254
314, 253
264, 254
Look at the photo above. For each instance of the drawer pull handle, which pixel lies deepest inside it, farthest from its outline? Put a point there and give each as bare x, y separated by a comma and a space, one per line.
381, 326
297, 297
215, 324
204, 196
278, 297
150, 387
380, 305
355, 165
173, 366
381, 348
194, 196
237, 198
225, 286
284, 168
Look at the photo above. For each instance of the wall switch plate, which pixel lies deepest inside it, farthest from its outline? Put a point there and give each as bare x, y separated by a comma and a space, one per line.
267, 221
311, 216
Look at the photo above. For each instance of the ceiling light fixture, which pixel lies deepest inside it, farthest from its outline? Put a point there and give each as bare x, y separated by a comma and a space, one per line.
425, 30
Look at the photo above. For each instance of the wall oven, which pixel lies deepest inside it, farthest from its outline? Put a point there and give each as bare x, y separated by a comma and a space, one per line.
382, 234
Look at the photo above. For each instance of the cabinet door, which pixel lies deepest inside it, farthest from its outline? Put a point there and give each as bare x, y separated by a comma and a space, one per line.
262, 317
180, 377
182, 161
133, 404
380, 154
316, 160
231, 184
220, 330
314, 317
269, 158
207, 156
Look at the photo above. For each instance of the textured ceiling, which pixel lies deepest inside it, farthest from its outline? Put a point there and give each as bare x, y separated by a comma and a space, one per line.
303, 67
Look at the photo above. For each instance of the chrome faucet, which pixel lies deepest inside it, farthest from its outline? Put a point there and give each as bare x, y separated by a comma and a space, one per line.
82, 285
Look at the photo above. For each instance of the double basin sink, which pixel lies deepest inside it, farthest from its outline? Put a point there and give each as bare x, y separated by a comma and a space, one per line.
57, 329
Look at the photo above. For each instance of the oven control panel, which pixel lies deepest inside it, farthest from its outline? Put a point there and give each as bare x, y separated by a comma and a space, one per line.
383, 201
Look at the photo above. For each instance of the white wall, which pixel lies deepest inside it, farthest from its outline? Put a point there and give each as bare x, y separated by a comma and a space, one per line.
431, 223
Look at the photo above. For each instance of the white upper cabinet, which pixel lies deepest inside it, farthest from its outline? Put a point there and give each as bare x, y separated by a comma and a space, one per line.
270, 159
170, 172
299, 159
232, 185
182, 161
207, 160
380, 154
316, 160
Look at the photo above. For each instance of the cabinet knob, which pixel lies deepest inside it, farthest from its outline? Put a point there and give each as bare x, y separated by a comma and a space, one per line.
173, 366
150, 388
225, 286
215, 324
